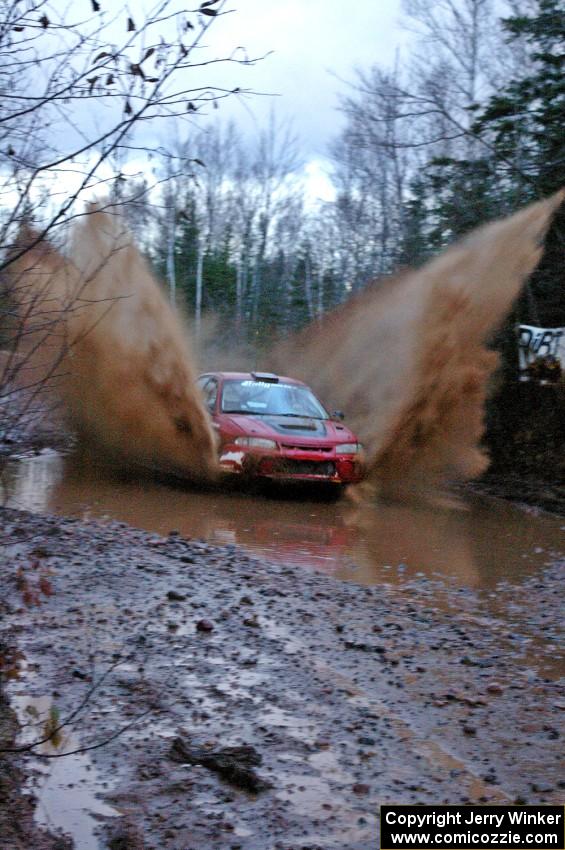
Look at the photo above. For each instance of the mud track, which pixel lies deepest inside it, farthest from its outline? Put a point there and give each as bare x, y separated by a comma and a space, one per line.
341, 697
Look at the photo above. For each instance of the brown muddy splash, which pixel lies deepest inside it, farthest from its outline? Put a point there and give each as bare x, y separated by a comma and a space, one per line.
407, 358
124, 369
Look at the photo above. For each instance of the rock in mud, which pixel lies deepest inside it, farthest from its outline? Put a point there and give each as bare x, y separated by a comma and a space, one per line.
126, 836
234, 764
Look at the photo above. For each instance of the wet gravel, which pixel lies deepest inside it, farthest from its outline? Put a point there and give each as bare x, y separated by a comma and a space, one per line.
346, 697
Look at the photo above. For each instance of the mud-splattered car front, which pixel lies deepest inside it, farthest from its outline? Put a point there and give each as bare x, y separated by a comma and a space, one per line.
273, 427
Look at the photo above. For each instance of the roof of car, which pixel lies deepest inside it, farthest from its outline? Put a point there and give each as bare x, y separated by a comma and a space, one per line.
250, 376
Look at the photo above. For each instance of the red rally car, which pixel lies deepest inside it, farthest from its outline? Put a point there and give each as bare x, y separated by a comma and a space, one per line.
273, 427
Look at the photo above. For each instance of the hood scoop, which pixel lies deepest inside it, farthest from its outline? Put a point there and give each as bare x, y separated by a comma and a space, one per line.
297, 426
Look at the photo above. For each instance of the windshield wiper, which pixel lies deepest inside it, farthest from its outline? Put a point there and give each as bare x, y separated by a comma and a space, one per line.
269, 413
299, 415
249, 412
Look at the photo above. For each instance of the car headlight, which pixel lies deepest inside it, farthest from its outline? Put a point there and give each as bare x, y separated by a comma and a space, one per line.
255, 442
348, 448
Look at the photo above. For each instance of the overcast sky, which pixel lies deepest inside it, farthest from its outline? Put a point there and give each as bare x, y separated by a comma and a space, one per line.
315, 43
311, 47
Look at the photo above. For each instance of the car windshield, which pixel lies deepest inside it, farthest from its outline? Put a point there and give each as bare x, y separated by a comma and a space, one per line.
262, 397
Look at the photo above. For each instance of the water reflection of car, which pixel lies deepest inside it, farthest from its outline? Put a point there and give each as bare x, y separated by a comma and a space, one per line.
273, 427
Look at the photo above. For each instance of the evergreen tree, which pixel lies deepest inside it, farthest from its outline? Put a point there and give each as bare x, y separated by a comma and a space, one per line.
524, 124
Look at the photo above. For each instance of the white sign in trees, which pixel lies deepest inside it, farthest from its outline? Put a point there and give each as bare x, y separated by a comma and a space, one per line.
541, 353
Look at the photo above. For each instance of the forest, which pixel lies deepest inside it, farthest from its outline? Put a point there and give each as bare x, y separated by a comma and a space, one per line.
469, 129
466, 126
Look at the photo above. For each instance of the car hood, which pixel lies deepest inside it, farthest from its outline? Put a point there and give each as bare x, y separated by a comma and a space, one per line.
293, 427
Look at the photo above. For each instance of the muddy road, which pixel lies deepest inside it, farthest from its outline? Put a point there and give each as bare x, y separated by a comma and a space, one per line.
433, 673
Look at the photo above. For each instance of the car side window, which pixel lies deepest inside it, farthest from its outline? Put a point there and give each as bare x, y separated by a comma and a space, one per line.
210, 393
233, 397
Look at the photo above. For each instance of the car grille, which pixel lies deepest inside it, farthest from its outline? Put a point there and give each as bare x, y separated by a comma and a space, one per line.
304, 467
297, 448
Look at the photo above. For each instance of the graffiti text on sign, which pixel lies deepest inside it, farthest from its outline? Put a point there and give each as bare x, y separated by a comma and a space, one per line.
540, 342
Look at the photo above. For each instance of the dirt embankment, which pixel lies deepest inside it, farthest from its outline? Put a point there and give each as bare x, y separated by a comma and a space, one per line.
526, 440
244, 705
525, 489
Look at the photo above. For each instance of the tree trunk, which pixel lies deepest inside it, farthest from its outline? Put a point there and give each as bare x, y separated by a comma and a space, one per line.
171, 270
198, 304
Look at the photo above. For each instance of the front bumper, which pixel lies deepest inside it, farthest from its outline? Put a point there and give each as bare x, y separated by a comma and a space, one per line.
298, 466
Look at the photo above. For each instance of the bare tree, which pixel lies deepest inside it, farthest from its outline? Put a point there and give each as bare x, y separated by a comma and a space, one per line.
458, 34
244, 188
82, 97
373, 162
287, 237
398, 121
76, 91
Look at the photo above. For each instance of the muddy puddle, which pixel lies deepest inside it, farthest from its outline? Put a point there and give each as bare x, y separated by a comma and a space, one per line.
477, 544
73, 777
